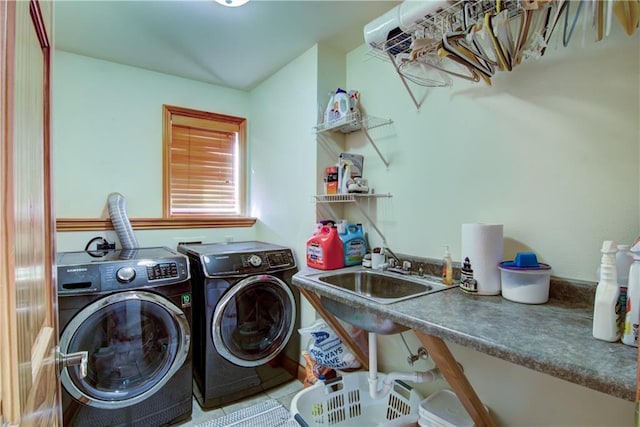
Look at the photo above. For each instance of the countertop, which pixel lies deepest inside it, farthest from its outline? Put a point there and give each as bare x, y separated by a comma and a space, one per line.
554, 338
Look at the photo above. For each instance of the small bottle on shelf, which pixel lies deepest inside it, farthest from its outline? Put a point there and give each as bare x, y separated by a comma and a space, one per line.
447, 267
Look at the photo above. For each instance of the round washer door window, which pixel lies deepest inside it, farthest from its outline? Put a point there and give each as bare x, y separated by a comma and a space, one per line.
135, 341
254, 320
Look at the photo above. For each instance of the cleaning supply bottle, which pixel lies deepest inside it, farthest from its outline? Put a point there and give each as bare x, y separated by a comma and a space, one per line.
624, 259
324, 249
354, 244
632, 312
606, 308
447, 267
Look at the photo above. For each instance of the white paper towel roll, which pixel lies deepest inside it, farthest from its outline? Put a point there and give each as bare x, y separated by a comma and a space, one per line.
482, 250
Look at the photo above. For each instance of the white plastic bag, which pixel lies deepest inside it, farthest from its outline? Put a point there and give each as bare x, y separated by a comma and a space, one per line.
326, 347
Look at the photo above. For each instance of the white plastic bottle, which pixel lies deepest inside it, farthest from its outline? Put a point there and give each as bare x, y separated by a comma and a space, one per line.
624, 259
606, 308
632, 311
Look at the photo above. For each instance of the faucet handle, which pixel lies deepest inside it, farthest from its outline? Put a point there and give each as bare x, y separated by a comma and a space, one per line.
406, 265
391, 262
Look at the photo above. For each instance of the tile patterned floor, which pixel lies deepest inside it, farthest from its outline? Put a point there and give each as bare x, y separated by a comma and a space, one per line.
283, 394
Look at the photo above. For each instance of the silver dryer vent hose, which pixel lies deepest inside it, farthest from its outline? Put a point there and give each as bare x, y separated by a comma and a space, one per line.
120, 221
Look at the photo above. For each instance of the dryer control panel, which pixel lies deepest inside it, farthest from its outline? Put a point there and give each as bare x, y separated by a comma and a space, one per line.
232, 264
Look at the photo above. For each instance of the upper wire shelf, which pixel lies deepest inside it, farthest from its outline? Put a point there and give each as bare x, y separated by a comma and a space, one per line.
435, 24
352, 122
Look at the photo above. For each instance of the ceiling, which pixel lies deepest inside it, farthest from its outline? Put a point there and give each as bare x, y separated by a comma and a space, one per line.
204, 41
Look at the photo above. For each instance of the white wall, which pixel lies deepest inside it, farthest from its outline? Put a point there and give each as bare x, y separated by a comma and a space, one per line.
107, 136
550, 150
283, 152
283, 158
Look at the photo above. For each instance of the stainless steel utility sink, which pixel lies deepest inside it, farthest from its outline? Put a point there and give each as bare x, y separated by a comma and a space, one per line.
380, 286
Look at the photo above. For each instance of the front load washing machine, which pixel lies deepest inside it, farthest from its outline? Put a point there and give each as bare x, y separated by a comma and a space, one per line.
245, 319
130, 310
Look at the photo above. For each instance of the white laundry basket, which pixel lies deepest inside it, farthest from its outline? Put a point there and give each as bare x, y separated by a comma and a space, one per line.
444, 409
345, 401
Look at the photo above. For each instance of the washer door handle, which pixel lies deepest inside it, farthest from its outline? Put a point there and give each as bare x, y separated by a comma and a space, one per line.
80, 358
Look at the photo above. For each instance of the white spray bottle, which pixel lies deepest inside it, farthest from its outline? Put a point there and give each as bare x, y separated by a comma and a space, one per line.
606, 308
632, 310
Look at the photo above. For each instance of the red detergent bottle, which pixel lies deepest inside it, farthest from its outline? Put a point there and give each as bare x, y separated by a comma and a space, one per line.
325, 249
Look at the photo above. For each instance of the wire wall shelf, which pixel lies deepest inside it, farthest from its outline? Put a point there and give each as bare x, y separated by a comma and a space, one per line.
434, 26
355, 198
346, 198
417, 50
351, 123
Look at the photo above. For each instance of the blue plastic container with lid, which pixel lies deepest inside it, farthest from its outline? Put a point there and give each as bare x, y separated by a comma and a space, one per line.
354, 244
525, 280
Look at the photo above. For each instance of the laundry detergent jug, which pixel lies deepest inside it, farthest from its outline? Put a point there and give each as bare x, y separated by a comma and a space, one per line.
325, 249
354, 245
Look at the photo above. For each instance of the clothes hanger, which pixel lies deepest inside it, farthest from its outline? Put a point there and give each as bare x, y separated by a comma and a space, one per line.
504, 61
427, 54
526, 17
609, 16
588, 12
502, 30
553, 16
472, 40
599, 19
535, 44
627, 13
454, 66
458, 60
417, 70
531, 10
566, 37
453, 44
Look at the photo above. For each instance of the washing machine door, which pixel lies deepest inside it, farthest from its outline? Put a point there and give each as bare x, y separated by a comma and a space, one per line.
254, 320
135, 340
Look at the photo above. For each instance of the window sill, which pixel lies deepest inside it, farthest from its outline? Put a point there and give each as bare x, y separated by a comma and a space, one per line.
93, 224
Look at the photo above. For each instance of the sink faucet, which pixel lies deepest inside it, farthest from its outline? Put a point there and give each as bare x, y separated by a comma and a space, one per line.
395, 264
394, 258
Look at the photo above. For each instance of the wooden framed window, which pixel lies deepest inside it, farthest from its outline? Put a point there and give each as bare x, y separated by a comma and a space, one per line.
203, 177
204, 164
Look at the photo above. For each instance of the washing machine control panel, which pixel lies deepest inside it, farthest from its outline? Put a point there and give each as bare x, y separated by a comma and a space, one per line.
120, 270
126, 274
166, 270
254, 260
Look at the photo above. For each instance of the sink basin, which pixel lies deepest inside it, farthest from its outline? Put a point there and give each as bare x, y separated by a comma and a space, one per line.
380, 286
370, 322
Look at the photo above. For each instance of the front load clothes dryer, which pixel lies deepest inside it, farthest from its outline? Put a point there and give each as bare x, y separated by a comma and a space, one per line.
130, 311
245, 319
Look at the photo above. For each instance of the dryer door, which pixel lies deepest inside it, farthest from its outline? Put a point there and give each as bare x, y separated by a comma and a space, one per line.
254, 320
136, 341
